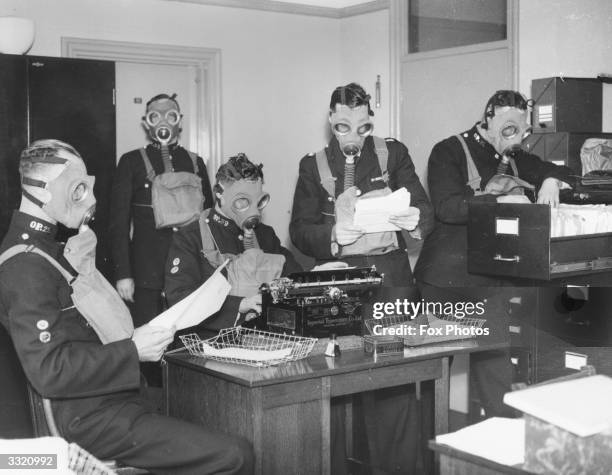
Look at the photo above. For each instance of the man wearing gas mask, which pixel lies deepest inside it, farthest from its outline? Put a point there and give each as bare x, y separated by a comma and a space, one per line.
484, 163
139, 258
74, 335
354, 165
231, 230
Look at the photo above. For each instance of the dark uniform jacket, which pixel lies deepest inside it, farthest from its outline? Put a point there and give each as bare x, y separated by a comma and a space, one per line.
312, 218
143, 257
187, 269
443, 259
90, 384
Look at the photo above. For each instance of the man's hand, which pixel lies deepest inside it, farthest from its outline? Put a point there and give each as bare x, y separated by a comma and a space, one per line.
549, 192
408, 220
346, 233
125, 288
151, 341
252, 303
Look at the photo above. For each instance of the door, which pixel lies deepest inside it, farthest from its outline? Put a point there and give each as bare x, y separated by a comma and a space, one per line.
136, 84
454, 56
73, 100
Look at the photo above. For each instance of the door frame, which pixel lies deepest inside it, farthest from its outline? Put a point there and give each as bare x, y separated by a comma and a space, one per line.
205, 120
398, 44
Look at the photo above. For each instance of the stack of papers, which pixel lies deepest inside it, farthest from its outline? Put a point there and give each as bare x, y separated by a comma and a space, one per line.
499, 439
372, 214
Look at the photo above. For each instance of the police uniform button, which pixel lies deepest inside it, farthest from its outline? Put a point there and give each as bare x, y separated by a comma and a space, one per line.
241, 237
44, 337
174, 229
174, 270
497, 155
25, 236
146, 185
465, 135
176, 261
42, 324
358, 193
329, 198
207, 220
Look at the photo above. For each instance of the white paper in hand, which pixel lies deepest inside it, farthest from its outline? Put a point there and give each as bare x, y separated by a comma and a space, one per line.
372, 214
203, 302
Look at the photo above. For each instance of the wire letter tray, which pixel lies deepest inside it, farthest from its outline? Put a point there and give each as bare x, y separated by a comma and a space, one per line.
424, 328
249, 347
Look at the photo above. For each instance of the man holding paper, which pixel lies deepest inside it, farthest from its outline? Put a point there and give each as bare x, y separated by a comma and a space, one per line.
354, 167
74, 335
341, 194
232, 231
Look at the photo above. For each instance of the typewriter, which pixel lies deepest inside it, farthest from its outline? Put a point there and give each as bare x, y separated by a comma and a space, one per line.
319, 303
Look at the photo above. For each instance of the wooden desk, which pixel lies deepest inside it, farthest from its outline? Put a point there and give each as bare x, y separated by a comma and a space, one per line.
285, 410
457, 462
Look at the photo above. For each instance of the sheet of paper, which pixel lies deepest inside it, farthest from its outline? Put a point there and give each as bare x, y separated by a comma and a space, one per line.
483, 440
372, 214
203, 302
246, 353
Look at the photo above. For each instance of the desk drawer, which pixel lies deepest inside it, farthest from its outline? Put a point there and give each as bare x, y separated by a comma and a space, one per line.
513, 240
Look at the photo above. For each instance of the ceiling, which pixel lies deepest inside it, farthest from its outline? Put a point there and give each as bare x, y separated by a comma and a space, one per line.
326, 8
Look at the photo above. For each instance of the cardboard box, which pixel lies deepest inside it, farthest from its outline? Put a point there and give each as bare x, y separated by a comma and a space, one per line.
568, 426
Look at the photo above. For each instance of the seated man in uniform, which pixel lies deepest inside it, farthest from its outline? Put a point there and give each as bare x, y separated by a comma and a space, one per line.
74, 335
231, 230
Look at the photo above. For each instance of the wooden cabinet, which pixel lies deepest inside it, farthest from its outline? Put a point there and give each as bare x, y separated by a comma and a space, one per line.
66, 99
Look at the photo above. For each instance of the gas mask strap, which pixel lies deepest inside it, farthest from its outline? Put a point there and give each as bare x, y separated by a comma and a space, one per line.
32, 198
33, 182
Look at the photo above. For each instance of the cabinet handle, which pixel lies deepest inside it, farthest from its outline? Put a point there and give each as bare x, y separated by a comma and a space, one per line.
499, 257
37, 64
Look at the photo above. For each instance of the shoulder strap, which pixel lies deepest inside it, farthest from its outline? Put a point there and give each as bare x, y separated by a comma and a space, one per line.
210, 250
19, 248
382, 152
328, 182
473, 175
147, 164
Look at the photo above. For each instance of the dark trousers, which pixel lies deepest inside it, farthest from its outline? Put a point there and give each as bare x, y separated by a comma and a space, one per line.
148, 303
391, 426
160, 444
490, 371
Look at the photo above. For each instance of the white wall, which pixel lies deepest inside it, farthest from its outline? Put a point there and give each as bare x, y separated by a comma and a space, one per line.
364, 53
278, 70
566, 38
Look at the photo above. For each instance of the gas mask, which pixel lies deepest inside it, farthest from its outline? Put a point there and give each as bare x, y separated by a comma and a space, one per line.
243, 201
507, 129
163, 121
69, 197
351, 126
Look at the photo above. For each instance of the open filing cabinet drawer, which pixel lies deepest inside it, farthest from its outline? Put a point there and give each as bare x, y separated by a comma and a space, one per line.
513, 240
